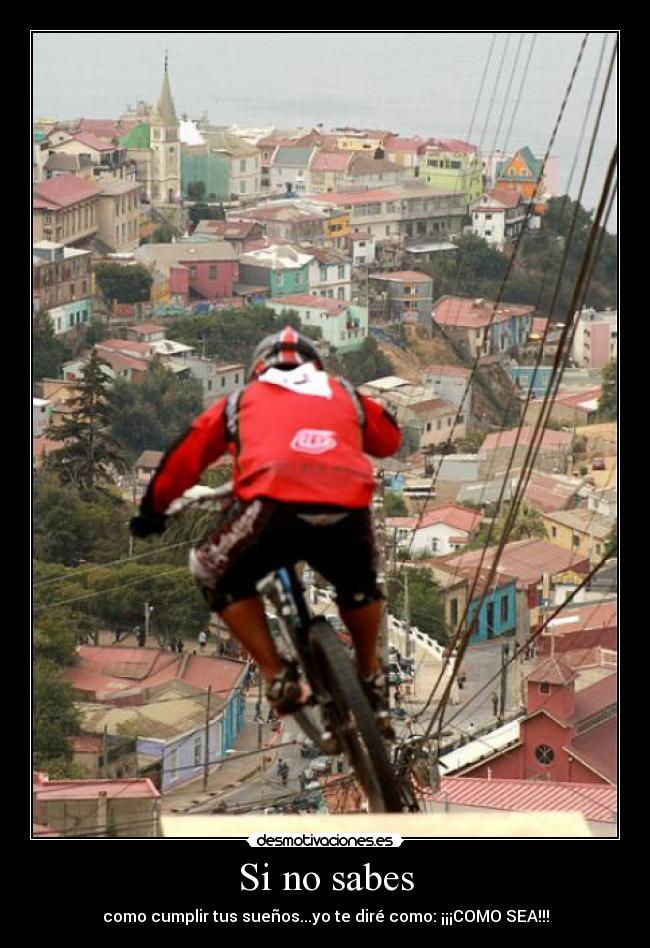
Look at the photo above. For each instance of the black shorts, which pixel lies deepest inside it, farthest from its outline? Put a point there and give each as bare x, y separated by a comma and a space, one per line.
252, 539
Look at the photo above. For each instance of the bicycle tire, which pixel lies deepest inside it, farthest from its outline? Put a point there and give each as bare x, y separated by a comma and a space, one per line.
368, 754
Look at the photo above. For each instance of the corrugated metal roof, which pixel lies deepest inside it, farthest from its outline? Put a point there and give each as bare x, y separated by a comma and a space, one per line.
597, 802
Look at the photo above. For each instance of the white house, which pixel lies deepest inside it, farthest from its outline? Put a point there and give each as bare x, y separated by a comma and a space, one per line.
449, 382
498, 216
330, 273
41, 412
443, 529
362, 247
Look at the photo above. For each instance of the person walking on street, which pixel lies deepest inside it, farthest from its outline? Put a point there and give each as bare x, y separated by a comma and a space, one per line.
203, 640
283, 771
495, 704
180, 645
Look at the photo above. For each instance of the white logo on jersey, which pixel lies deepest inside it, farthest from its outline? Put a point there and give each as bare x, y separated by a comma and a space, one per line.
313, 441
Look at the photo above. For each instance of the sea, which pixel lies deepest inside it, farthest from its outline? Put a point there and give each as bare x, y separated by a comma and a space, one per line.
498, 90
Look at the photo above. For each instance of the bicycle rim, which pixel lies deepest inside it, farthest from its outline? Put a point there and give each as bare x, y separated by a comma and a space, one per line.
363, 743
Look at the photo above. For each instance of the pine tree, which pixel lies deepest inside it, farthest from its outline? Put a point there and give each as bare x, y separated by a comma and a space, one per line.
89, 455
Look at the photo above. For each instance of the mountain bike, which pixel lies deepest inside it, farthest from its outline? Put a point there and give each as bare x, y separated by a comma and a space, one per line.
336, 717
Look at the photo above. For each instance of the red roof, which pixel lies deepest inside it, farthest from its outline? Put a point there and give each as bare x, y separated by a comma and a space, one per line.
330, 306
93, 141
433, 404
528, 560
146, 328
396, 143
552, 671
331, 161
548, 493
454, 371
601, 694
452, 515
402, 276
357, 197
106, 128
575, 399
596, 802
65, 190
124, 345
597, 748
134, 788
118, 361
582, 618
475, 313
109, 670
450, 144
507, 198
551, 440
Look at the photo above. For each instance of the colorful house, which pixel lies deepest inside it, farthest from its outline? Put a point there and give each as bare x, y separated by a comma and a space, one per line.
343, 325
449, 164
282, 269
522, 173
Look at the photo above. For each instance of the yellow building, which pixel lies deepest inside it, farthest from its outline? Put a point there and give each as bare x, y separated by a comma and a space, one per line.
337, 226
580, 531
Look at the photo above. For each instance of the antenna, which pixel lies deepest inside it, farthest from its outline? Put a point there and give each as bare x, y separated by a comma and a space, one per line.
166, 59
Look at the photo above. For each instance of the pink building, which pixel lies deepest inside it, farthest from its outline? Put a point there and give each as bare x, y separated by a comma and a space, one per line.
195, 271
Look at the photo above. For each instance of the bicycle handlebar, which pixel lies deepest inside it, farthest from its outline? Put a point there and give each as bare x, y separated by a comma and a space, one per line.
199, 496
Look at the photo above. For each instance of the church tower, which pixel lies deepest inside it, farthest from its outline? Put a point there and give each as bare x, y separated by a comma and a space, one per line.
166, 147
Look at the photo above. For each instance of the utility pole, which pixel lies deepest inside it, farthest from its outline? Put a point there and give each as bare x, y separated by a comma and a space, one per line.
105, 752
135, 511
206, 755
505, 650
407, 615
380, 535
147, 613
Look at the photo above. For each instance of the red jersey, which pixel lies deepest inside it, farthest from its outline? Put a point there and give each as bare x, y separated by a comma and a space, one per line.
291, 447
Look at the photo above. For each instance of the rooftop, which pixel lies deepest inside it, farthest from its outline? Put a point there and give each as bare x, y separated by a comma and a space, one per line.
168, 255
453, 515
467, 313
134, 788
596, 802
528, 560
65, 190
453, 371
402, 276
322, 303
583, 521
551, 440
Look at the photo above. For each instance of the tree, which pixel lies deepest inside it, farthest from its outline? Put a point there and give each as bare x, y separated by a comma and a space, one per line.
48, 351
196, 190
68, 528
366, 363
394, 505
163, 234
153, 413
130, 284
55, 719
89, 454
608, 404
528, 523
426, 601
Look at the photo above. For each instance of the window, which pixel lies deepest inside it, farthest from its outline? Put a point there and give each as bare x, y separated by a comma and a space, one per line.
209, 386
544, 754
237, 379
213, 272
439, 424
553, 531
544, 688
242, 187
242, 165
488, 217
575, 540
192, 273
342, 272
341, 292
504, 609
453, 613
449, 422
461, 419
428, 426
223, 382
197, 751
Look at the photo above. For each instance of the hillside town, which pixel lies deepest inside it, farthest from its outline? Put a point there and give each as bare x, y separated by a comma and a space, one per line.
164, 247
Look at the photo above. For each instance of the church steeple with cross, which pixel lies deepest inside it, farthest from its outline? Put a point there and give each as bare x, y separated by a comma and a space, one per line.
166, 145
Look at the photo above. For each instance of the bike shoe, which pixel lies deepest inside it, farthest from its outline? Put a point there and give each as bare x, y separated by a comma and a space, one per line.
376, 689
285, 693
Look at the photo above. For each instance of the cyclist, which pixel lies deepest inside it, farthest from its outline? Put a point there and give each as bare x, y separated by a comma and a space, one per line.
302, 491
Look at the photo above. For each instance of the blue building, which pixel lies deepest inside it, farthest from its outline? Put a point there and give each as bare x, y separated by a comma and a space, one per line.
527, 376
498, 613
182, 755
